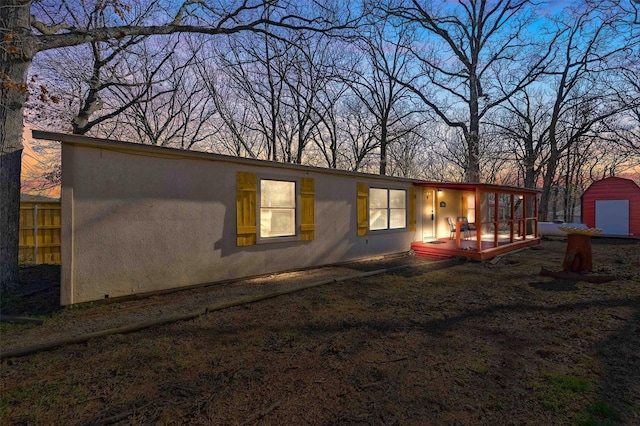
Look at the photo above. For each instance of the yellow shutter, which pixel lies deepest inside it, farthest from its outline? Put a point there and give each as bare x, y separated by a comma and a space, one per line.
362, 207
307, 200
412, 208
246, 193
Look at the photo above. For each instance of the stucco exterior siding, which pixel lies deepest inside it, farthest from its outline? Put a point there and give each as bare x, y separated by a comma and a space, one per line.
138, 220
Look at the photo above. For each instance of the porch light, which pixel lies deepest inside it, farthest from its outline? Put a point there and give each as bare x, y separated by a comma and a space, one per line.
439, 191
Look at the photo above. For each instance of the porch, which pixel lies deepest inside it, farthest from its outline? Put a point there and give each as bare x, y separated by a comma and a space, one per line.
444, 248
501, 219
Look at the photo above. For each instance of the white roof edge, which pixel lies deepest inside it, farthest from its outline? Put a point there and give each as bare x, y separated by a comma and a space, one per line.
153, 150
115, 145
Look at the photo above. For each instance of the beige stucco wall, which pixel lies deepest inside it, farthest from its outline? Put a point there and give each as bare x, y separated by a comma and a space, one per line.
138, 222
453, 208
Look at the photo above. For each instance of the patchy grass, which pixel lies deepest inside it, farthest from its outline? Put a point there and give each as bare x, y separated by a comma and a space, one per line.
476, 343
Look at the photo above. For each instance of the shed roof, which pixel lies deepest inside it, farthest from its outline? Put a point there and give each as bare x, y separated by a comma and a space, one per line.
611, 182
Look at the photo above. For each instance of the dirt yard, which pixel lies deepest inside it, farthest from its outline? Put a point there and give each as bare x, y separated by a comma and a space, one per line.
471, 343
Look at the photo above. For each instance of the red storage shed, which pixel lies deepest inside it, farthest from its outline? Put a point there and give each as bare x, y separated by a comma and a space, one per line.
613, 205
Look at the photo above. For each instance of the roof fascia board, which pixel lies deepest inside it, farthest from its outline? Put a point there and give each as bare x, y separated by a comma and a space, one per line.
160, 151
166, 152
483, 187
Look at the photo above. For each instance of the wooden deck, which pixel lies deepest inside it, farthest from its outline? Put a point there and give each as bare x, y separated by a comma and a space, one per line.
445, 248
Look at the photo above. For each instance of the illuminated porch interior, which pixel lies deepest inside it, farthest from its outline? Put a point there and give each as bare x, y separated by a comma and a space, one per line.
504, 218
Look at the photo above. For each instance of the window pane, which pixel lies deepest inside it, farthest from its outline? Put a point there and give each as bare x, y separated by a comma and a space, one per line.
397, 198
377, 198
277, 222
398, 218
471, 201
378, 219
277, 193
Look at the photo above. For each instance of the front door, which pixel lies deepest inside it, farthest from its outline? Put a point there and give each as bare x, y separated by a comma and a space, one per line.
428, 215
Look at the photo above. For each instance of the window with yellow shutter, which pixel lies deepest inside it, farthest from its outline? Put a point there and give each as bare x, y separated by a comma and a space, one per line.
273, 209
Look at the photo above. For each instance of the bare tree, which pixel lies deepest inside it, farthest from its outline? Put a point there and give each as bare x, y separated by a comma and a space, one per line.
175, 110
439, 161
522, 122
595, 41
481, 54
28, 27
235, 135
89, 78
310, 70
253, 66
358, 127
406, 154
281, 84
329, 109
41, 171
625, 130
385, 45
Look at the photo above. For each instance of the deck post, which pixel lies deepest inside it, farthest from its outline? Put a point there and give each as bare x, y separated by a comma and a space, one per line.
524, 216
496, 220
535, 216
512, 218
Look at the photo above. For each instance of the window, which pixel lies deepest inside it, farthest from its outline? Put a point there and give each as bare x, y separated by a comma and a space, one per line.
285, 209
277, 208
471, 208
387, 209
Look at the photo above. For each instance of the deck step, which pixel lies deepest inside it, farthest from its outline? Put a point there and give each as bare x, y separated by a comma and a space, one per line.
434, 256
435, 252
430, 254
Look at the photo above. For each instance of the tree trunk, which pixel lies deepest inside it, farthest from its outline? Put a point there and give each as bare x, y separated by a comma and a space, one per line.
10, 165
529, 175
547, 182
15, 58
384, 133
473, 151
578, 257
472, 137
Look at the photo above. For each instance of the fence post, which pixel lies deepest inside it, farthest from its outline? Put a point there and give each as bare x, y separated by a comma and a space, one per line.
35, 233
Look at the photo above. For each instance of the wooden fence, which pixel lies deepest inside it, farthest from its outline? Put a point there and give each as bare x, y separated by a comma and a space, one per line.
40, 232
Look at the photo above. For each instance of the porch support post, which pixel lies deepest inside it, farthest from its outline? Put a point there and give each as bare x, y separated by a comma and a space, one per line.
496, 220
535, 216
512, 218
525, 202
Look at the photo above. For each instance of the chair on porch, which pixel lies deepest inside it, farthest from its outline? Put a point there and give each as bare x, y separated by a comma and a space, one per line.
466, 226
452, 228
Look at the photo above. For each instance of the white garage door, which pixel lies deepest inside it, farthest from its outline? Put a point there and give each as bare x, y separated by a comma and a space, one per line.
612, 216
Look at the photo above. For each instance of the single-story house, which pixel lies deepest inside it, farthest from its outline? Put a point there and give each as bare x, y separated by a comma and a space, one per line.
142, 219
613, 205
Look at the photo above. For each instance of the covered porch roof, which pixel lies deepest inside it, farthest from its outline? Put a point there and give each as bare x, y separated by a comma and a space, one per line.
482, 187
